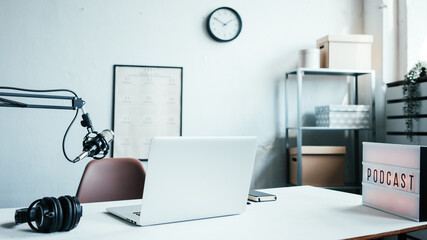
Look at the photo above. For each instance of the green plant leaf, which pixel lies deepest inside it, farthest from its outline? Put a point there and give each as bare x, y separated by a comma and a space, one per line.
411, 92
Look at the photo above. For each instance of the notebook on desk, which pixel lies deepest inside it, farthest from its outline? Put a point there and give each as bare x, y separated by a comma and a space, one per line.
191, 178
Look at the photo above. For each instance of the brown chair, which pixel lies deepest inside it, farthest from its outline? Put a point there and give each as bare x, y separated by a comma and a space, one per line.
111, 179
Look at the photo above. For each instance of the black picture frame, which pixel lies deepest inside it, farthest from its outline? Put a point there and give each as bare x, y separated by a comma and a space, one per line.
134, 86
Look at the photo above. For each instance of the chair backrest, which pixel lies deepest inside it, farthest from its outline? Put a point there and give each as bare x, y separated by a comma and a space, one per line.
111, 179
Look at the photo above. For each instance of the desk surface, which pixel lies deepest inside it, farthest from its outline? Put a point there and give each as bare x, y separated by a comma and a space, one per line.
299, 213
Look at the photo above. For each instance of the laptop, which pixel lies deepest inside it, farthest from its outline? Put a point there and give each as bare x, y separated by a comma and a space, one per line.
189, 178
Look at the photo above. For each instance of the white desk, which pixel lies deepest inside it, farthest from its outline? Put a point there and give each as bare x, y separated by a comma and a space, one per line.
299, 213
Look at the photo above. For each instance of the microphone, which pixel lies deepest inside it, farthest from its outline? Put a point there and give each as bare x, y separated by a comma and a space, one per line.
95, 145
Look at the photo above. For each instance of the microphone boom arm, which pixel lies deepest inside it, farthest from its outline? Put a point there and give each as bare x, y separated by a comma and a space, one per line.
75, 104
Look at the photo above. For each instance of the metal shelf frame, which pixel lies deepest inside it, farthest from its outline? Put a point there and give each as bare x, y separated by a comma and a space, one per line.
303, 72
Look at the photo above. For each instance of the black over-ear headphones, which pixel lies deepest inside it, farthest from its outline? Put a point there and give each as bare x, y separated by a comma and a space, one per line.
51, 214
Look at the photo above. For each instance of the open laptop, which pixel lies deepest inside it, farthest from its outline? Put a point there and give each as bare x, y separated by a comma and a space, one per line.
192, 178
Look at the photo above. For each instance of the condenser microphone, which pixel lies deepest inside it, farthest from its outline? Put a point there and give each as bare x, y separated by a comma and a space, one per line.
96, 145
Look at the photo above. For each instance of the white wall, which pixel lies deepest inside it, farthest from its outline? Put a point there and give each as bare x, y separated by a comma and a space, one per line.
412, 37
381, 21
416, 33
229, 88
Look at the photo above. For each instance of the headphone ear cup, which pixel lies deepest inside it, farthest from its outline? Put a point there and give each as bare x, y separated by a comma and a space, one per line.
68, 214
38, 215
77, 211
48, 215
44, 208
58, 215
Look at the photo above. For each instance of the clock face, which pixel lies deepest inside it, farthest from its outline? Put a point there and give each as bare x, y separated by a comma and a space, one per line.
224, 24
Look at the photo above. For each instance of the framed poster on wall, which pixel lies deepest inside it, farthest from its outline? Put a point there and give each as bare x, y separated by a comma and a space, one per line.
147, 103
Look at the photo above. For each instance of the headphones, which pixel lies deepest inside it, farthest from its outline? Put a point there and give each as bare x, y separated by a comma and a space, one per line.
51, 214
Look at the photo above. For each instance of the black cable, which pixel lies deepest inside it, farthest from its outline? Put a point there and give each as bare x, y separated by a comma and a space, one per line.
33, 90
69, 126
65, 136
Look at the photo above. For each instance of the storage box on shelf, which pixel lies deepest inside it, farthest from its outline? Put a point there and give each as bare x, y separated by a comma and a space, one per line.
350, 51
342, 116
309, 58
322, 166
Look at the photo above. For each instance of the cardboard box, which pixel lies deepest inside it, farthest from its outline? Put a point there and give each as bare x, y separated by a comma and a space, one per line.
321, 166
342, 116
351, 51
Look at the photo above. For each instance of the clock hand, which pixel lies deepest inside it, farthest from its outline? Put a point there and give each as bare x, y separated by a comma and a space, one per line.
228, 22
219, 21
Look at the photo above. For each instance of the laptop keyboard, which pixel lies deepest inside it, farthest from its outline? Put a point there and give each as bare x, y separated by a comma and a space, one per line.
137, 213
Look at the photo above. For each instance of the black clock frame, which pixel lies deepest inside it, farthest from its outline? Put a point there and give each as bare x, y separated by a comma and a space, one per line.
213, 35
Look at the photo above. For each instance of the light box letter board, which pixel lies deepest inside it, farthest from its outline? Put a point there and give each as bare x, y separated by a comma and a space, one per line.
394, 179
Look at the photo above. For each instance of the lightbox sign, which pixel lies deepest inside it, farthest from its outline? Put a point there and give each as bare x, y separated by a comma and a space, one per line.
393, 177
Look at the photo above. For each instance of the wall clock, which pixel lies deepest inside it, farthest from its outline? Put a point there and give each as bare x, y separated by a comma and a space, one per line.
224, 24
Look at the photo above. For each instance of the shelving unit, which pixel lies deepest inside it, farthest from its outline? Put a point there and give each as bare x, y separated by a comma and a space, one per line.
301, 73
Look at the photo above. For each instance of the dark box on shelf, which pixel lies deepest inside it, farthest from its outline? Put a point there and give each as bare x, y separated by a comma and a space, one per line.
322, 166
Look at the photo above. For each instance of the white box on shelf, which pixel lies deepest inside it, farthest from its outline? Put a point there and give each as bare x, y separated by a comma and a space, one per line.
343, 116
349, 51
309, 58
